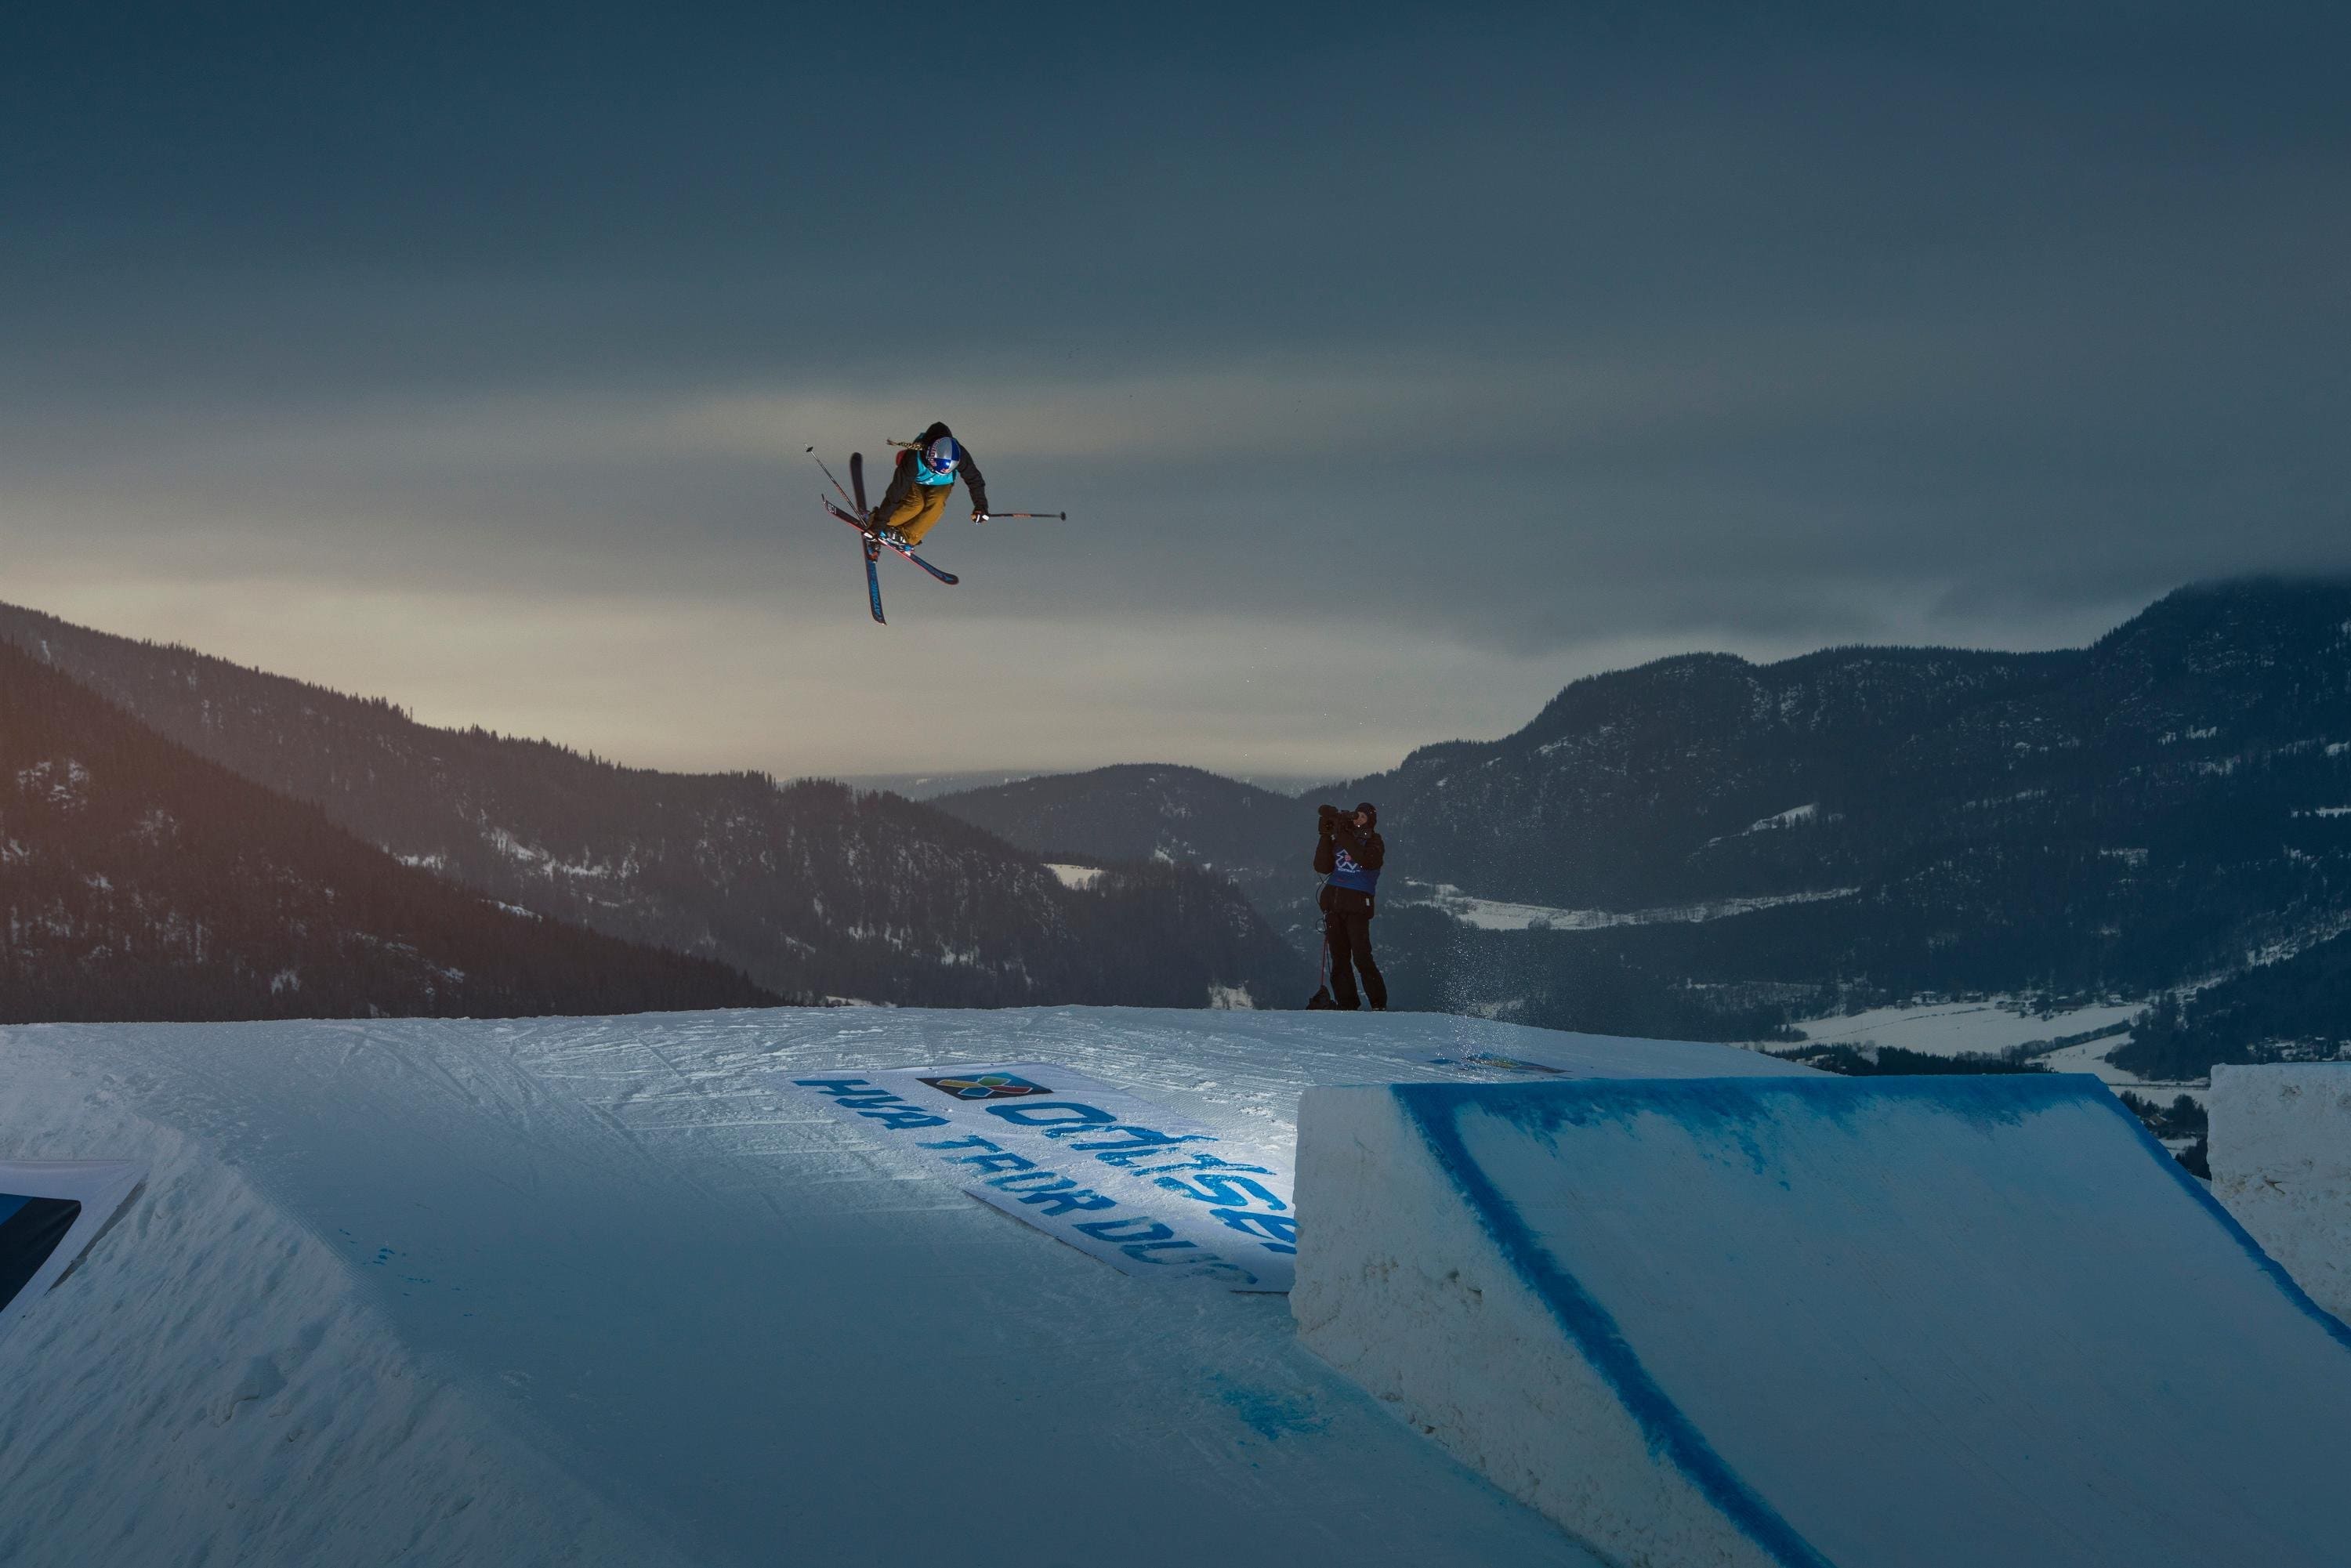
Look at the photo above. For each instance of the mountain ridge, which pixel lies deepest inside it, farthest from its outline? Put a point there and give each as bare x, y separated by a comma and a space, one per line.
2145, 812
1138, 811
807, 887
144, 883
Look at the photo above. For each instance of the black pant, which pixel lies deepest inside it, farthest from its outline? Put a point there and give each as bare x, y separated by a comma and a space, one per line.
1349, 932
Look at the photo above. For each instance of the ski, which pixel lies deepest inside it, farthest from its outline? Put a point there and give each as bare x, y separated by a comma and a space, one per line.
876, 541
950, 579
873, 542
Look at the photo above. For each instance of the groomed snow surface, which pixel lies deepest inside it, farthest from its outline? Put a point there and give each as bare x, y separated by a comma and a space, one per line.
211, 1387
610, 1292
2280, 1157
1882, 1321
613, 1291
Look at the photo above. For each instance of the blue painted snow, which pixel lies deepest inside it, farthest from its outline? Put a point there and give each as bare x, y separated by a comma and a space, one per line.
1914, 1320
1434, 1109
1272, 1413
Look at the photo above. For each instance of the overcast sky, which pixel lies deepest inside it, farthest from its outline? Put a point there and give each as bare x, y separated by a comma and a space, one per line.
1394, 367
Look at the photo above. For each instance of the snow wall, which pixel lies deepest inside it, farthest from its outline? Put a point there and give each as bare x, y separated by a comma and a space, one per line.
50, 1213
208, 1386
1804, 1321
2281, 1154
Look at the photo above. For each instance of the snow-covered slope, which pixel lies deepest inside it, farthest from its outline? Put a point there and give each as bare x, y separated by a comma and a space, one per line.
611, 1290
214, 1384
806, 888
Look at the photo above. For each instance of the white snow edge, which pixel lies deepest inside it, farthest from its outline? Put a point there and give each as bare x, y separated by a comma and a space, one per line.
209, 1374
2281, 1156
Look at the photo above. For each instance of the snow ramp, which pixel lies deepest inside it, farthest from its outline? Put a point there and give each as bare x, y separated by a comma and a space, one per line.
1820, 1321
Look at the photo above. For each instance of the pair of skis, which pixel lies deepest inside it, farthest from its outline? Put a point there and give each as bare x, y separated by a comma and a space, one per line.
861, 520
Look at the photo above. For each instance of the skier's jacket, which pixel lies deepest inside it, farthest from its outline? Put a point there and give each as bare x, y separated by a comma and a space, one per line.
923, 473
917, 497
1351, 858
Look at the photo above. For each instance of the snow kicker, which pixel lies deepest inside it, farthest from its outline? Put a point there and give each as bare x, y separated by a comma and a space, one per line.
50, 1213
1115, 1177
1933, 1321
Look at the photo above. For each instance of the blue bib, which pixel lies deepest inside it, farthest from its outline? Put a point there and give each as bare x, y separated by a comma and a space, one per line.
1345, 873
926, 475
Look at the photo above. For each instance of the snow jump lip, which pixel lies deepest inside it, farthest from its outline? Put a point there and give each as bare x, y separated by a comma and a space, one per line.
51, 1213
1813, 1321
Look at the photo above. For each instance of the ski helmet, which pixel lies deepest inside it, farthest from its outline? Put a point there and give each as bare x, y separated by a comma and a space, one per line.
942, 455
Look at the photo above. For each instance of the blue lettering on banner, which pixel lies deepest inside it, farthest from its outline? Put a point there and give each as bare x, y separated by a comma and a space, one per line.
1139, 1237
992, 1156
1170, 1162
1223, 1189
1275, 1232
1201, 1163
1051, 1114
974, 1142
1152, 1237
1283, 1231
1139, 1141
1230, 1194
873, 1103
1117, 1231
1058, 1195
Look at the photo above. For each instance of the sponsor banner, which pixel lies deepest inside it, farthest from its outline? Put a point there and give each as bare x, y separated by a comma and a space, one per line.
1146, 1191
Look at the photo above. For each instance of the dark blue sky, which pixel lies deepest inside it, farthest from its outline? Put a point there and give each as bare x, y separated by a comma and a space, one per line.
1397, 364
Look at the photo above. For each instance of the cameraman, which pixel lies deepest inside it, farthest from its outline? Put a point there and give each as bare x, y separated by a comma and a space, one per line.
1350, 855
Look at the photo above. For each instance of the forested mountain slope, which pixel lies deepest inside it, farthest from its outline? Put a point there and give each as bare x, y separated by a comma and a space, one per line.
139, 882
809, 888
1144, 811
1703, 845
2145, 811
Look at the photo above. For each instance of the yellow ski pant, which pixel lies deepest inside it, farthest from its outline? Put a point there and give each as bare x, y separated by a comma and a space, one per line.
916, 512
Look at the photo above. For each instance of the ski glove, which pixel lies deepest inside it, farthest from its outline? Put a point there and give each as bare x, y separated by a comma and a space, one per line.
978, 515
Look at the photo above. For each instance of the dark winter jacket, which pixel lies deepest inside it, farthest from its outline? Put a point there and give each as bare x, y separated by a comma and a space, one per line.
1351, 857
902, 479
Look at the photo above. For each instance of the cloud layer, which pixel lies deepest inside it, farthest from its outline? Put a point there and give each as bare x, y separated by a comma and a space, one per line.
1393, 369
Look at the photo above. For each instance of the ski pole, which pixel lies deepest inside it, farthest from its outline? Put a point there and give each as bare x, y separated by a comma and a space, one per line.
1057, 516
828, 473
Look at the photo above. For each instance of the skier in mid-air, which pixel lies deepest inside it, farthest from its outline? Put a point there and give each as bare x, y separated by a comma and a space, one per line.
917, 497
927, 469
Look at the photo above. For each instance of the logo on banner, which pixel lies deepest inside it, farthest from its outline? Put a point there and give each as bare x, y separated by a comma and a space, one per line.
987, 1086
